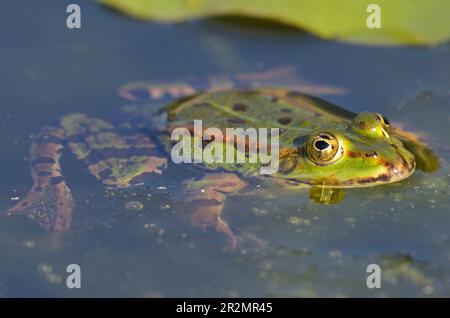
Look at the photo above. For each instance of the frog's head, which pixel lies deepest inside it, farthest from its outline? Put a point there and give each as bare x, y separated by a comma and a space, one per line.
359, 154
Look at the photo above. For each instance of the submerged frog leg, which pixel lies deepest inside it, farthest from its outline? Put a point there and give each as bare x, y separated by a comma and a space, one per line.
116, 156
283, 76
204, 201
49, 201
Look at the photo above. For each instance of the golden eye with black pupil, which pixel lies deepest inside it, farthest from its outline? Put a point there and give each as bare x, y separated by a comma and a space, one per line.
323, 148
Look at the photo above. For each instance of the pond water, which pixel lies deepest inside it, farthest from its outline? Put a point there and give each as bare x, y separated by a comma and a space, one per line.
47, 70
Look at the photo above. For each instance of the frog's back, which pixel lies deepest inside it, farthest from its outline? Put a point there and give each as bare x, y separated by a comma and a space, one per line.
267, 107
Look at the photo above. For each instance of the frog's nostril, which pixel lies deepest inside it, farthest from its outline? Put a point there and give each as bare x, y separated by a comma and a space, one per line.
372, 154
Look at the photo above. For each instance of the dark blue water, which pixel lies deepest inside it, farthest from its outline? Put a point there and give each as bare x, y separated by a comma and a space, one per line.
47, 70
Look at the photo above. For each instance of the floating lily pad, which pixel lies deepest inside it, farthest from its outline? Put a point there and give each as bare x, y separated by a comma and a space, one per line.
413, 22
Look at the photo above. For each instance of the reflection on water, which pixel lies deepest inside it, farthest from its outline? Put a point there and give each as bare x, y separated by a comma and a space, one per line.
135, 243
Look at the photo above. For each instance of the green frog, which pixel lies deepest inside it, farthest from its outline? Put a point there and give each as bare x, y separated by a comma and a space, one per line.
321, 147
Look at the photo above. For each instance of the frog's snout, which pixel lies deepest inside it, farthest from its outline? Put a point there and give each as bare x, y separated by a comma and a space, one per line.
403, 167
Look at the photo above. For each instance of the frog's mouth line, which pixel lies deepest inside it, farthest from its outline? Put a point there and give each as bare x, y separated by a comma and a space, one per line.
394, 173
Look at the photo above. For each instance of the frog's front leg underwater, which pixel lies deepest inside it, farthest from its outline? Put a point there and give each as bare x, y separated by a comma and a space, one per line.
204, 203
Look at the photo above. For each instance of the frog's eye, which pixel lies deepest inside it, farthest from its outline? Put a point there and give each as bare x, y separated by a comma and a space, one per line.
323, 148
372, 125
385, 122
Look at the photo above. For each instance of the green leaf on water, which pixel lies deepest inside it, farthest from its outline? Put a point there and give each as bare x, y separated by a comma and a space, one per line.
413, 22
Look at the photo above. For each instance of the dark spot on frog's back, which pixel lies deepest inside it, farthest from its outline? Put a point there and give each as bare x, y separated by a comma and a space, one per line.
286, 120
240, 107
